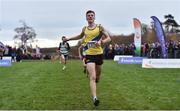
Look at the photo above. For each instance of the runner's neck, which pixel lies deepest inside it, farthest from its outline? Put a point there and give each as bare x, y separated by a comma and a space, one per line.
91, 25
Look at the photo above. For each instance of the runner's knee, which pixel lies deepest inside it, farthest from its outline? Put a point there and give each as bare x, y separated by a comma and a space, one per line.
92, 78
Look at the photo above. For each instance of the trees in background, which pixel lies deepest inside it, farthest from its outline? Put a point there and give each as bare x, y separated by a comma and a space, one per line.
24, 35
171, 26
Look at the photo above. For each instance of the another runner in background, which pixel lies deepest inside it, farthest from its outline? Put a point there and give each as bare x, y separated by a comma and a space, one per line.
63, 52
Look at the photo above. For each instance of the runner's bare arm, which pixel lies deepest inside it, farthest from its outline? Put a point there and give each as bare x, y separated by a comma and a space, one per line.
106, 37
77, 36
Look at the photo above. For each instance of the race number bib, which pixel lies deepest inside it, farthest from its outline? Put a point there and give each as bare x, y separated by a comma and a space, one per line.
91, 44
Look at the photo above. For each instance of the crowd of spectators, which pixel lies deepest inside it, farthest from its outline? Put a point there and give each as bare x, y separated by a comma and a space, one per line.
22, 53
149, 50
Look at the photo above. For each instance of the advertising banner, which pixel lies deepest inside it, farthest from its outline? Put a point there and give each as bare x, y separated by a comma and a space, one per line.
161, 63
160, 35
137, 36
130, 60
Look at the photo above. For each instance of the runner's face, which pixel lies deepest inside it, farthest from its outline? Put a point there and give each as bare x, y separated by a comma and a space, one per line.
90, 17
63, 39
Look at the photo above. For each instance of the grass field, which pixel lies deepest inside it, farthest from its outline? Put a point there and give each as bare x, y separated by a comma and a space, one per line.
43, 85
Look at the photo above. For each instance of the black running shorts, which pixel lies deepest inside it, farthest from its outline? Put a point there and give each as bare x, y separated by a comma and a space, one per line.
97, 59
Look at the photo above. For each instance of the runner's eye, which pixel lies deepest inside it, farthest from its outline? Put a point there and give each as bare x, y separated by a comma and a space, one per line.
90, 15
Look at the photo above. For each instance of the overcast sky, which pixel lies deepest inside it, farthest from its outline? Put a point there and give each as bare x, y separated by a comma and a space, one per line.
53, 18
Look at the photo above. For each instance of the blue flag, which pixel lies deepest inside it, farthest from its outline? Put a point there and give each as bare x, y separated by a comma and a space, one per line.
160, 34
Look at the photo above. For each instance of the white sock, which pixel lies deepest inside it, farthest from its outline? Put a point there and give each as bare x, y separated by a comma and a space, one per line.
64, 67
94, 98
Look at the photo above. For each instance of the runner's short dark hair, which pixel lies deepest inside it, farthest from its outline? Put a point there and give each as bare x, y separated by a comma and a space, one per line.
63, 37
90, 11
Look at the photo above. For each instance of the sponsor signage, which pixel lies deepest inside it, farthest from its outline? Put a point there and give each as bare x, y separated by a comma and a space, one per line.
137, 36
161, 63
130, 60
5, 62
160, 34
116, 57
